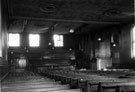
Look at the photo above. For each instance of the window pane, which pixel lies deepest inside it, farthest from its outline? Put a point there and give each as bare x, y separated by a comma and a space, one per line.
61, 38
56, 37
58, 40
133, 52
34, 40
14, 40
56, 44
133, 34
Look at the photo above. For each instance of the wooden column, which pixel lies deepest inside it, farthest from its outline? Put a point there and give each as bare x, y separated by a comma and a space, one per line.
0, 31
0, 42
0, 86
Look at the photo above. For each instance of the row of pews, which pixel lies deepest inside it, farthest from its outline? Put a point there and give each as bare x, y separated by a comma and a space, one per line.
32, 82
94, 81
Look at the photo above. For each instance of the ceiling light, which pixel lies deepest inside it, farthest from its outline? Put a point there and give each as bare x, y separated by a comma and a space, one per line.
71, 31
49, 43
12, 52
99, 39
27, 51
70, 49
114, 45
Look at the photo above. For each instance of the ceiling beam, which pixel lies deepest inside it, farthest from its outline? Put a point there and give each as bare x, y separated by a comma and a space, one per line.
64, 20
10, 7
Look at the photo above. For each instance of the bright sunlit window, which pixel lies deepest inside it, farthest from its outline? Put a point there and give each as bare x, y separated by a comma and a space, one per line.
58, 40
133, 42
34, 40
14, 40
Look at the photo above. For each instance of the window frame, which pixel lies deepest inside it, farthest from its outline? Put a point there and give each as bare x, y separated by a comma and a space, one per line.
10, 42
58, 40
133, 42
31, 40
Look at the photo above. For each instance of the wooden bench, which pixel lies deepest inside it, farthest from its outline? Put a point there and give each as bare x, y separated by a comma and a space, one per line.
89, 82
70, 90
36, 88
36, 84
116, 86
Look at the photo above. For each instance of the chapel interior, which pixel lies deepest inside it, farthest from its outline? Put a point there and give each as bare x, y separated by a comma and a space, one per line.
67, 46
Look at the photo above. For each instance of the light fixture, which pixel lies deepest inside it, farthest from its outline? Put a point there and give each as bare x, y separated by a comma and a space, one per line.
49, 43
12, 52
70, 49
27, 51
114, 45
71, 31
99, 39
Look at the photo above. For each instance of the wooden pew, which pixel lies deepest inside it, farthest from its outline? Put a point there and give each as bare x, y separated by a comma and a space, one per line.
36, 88
36, 84
94, 82
116, 87
70, 90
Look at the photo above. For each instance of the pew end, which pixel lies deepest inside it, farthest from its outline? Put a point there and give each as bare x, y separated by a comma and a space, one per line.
116, 87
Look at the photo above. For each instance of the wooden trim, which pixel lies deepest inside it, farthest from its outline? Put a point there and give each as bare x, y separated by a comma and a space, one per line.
64, 20
2, 79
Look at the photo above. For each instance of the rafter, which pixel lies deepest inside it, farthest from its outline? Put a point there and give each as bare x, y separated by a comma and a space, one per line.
64, 20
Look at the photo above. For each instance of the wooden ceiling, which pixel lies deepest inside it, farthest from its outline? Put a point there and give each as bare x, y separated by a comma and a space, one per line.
60, 14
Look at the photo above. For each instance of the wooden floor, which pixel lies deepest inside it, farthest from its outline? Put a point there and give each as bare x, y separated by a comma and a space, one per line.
31, 82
